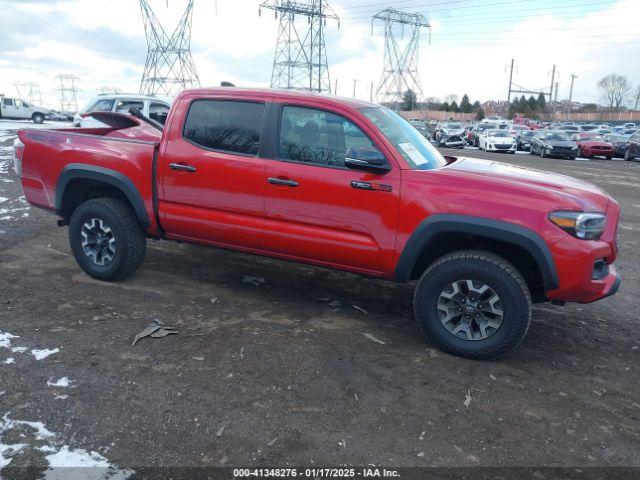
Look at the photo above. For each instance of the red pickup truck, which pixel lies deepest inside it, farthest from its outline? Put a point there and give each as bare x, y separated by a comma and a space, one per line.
332, 182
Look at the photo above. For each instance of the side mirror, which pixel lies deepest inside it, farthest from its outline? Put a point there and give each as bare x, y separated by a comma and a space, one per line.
368, 159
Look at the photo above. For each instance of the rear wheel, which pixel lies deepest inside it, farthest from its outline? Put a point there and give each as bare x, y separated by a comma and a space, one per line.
473, 304
106, 238
38, 118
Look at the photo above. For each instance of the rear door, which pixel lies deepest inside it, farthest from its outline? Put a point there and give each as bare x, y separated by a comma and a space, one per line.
316, 208
212, 179
9, 109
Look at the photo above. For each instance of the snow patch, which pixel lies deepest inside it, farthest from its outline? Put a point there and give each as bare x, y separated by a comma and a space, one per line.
3, 199
9, 361
42, 354
5, 339
63, 382
61, 458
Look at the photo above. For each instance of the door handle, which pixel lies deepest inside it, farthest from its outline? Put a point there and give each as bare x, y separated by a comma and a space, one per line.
182, 167
282, 181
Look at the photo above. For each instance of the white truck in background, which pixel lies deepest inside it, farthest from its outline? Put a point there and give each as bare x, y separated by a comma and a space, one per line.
17, 109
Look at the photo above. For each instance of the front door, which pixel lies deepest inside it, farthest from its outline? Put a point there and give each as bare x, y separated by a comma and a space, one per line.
212, 180
319, 210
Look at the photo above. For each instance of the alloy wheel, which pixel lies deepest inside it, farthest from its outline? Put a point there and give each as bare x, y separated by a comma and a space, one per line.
98, 241
470, 309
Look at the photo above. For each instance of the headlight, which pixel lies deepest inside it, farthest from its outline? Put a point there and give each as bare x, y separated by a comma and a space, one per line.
587, 226
575, 147
18, 151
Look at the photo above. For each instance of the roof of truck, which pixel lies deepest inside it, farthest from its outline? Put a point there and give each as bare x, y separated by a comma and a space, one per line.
280, 95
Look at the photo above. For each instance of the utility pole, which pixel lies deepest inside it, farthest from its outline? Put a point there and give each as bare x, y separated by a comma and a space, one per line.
573, 78
553, 79
555, 97
335, 87
300, 60
371, 93
510, 80
354, 87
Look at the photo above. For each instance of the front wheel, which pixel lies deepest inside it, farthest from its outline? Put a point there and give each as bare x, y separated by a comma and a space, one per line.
106, 239
473, 304
38, 118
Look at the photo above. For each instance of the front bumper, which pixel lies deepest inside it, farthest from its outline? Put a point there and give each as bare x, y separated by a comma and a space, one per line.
458, 143
501, 148
596, 152
586, 270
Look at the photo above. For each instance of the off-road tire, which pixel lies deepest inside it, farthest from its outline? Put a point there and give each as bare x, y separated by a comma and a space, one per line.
495, 272
129, 237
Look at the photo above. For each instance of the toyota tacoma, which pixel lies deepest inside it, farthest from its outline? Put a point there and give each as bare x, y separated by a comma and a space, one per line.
332, 182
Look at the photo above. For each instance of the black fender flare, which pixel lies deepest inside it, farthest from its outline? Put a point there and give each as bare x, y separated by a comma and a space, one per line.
116, 179
429, 229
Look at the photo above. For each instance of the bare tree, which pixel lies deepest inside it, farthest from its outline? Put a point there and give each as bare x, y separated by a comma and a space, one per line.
452, 97
614, 90
636, 98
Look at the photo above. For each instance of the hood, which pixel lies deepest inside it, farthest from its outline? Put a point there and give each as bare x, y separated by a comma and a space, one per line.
566, 188
501, 139
453, 131
594, 143
559, 143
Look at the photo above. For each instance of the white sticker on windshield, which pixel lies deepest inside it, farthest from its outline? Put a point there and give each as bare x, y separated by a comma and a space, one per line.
414, 153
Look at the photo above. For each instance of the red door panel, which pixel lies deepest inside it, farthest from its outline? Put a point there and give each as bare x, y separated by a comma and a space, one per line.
325, 219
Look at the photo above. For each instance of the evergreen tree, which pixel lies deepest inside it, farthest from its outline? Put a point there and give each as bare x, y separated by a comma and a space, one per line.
454, 107
409, 100
465, 104
542, 102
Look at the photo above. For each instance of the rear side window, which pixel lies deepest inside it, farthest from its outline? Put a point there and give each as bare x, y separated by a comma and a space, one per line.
158, 112
7, 101
318, 137
227, 125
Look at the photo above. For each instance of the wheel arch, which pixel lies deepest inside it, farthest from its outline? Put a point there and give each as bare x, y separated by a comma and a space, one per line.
78, 182
443, 233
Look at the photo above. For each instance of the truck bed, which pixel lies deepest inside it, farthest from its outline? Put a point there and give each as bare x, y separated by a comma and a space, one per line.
126, 153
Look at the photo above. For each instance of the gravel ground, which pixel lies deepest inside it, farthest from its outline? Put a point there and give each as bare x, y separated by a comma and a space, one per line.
272, 365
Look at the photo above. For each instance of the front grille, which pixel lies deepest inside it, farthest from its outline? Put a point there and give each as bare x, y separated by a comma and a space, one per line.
601, 147
454, 138
504, 146
562, 149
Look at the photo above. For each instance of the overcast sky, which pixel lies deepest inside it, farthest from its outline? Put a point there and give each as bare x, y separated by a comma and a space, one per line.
472, 41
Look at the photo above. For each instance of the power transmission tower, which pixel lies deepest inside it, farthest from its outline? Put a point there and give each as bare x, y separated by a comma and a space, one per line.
68, 92
29, 91
300, 60
400, 71
169, 67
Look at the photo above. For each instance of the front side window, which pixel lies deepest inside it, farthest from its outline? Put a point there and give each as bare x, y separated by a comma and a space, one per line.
227, 125
18, 103
318, 137
104, 105
411, 144
124, 106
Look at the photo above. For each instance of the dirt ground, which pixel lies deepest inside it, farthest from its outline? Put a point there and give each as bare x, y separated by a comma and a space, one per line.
272, 365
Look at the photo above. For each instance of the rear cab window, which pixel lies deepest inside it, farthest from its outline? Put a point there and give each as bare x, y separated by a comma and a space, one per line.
225, 125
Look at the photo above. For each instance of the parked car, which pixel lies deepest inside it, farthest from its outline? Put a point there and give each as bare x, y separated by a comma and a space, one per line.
553, 143
473, 136
450, 134
497, 141
333, 182
587, 127
17, 109
633, 148
495, 121
630, 125
570, 129
421, 126
150, 106
523, 139
594, 145
619, 143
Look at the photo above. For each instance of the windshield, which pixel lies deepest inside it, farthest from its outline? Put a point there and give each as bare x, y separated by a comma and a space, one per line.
559, 136
528, 133
412, 145
591, 138
453, 126
498, 133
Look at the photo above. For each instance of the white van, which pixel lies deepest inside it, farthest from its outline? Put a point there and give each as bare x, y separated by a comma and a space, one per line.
153, 107
17, 109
